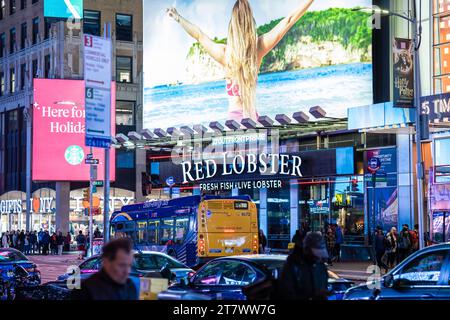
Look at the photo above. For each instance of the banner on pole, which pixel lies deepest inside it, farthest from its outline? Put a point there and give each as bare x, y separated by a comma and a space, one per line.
403, 73
97, 74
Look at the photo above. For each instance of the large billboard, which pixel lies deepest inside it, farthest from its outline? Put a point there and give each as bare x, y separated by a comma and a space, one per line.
59, 150
63, 9
211, 61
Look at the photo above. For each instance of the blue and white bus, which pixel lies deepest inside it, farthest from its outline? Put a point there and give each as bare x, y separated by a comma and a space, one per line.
192, 229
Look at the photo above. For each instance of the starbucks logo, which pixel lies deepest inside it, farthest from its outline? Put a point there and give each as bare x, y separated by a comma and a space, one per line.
74, 155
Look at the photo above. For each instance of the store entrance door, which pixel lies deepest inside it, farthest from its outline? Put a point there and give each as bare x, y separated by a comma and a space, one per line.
441, 226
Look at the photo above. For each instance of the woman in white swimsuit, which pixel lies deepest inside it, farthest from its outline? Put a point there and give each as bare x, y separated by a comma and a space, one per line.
242, 55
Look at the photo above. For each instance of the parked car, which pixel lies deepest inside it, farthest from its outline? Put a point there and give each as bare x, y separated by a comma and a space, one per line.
16, 270
144, 262
425, 275
226, 278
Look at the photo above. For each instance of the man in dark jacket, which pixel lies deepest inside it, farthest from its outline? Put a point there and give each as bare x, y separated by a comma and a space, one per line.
112, 282
305, 275
380, 248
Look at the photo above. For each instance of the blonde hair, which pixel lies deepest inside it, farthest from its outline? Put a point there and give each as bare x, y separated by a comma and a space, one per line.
242, 55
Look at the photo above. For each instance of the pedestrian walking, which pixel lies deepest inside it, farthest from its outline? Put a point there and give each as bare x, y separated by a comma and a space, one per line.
60, 243
26, 243
33, 242
113, 281
304, 275
380, 248
67, 242
330, 238
339, 242
45, 242
262, 239
391, 245
97, 233
81, 244
40, 236
414, 235
5, 240
53, 244
404, 243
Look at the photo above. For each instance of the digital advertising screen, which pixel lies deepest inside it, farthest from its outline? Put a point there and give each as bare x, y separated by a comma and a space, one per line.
59, 150
218, 60
63, 9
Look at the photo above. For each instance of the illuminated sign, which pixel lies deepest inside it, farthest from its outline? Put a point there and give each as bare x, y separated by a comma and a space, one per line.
314, 55
63, 9
59, 152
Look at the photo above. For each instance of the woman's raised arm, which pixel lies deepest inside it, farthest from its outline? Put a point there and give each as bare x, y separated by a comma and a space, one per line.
215, 50
269, 40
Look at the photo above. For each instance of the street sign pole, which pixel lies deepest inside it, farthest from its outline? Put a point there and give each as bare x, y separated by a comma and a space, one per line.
106, 184
91, 224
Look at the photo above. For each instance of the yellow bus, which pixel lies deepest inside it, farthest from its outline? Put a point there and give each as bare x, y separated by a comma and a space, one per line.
192, 229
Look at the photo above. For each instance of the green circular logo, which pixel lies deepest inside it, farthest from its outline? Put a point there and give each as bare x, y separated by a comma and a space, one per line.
74, 155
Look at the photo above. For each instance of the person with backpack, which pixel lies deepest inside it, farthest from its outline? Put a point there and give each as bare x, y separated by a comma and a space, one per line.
391, 244
404, 243
304, 275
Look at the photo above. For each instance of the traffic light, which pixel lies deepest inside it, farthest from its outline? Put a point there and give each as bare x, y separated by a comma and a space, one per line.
86, 195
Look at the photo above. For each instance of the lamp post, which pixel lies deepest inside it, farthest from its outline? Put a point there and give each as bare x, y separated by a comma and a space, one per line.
417, 33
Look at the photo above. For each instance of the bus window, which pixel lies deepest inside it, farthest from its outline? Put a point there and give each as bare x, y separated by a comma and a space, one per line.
167, 232
181, 228
129, 231
141, 232
153, 228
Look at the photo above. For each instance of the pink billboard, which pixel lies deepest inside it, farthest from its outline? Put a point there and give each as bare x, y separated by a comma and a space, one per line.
59, 150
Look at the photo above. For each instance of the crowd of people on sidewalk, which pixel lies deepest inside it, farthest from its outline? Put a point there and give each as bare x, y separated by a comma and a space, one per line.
333, 236
44, 242
393, 247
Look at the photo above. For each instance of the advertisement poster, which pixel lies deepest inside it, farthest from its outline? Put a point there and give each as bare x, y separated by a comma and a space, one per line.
97, 75
63, 8
59, 152
386, 192
403, 73
196, 71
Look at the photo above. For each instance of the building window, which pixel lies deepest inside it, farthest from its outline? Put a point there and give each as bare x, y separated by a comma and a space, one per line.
125, 159
47, 27
47, 66
2, 44
2, 9
124, 69
124, 27
278, 217
12, 80
35, 30
12, 40
2, 83
125, 113
12, 6
23, 4
23, 35
91, 22
34, 1
34, 68
23, 74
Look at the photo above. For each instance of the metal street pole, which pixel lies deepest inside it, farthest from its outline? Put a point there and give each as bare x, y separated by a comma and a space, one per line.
419, 165
106, 183
28, 116
91, 222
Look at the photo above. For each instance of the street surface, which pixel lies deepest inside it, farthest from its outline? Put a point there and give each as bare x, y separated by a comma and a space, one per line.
53, 266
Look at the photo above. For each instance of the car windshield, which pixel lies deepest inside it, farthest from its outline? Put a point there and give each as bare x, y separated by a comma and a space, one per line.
11, 256
155, 261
